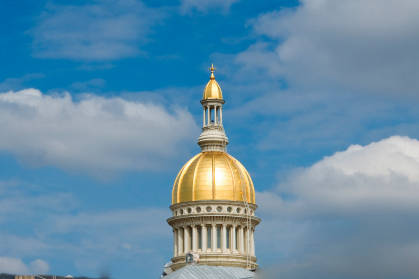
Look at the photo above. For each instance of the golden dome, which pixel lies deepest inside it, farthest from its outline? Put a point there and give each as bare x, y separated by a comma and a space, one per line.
212, 90
212, 175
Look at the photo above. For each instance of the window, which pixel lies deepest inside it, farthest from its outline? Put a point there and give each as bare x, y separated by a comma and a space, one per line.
238, 209
181, 212
218, 237
237, 237
190, 238
228, 238
199, 238
189, 210
209, 209
198, 209
209, 237
229, 209
219, 209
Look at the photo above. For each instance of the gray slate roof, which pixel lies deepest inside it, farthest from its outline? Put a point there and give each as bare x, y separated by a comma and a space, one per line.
209, 272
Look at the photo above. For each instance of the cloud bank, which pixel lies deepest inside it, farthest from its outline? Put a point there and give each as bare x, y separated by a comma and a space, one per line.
350, 215
95, 135
39, 225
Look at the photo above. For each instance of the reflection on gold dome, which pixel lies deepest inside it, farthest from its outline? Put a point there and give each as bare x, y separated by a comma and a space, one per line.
212, 175
212, 90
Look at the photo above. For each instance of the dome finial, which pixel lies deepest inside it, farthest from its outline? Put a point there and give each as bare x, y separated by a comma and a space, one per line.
212, 71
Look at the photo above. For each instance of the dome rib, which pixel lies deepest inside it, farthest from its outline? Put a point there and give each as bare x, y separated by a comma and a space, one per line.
232, 176
194, 175
184, 171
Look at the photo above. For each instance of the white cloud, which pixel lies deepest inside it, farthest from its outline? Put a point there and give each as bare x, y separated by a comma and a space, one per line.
362, 45
188, 6
106, 30
350, 215
16, 266
95, 135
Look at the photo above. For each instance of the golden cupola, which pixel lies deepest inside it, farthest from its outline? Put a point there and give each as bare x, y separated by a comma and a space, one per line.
212, 90
213, 198
213, 174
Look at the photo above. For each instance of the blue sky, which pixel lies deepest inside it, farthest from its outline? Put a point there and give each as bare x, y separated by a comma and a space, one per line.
99, 110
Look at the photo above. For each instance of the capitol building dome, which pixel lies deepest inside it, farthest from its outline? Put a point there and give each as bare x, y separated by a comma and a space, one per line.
213, 199
212, 175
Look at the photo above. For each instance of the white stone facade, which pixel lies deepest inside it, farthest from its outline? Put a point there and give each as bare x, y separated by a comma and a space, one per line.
216, 230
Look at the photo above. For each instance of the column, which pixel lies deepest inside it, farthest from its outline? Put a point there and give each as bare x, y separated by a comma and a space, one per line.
223, 238
215, 115
208, 116
247, 240
204, 238
233, 239
194, 239
180, 240
185, 239
241, 238
221, 115
204, 117
214, 238
252, 240
175, 242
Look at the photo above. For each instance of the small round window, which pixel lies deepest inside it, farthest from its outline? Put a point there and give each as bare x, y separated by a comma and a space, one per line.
189, 210
175, 213
181, 212
229, 209
198, 209
209, 209
238, 210
245, 211
219, 209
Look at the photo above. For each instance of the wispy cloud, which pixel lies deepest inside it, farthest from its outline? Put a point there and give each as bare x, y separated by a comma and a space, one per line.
105, 30
188, 6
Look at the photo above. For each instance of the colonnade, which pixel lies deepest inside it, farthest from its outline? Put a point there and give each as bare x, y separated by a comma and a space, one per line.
218, 111
213, 239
